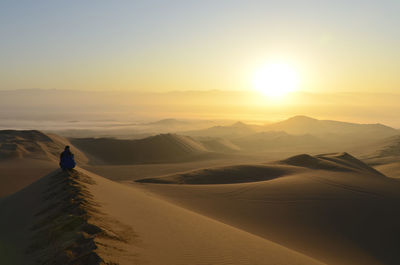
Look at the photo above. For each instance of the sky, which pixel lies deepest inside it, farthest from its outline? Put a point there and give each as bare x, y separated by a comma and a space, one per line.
168, 45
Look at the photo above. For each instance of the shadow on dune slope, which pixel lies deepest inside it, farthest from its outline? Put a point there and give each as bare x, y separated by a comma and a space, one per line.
252, 173
64, 225
83, 219
332, 207
224, 175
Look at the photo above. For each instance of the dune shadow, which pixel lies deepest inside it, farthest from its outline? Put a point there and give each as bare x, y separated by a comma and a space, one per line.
224, 175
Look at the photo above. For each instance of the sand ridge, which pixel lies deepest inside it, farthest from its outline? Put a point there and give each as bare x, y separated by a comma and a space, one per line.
332, 161
70, 228
172, 235
319, 205
65, 224
81, 218
268, 171
162, 148
224, 175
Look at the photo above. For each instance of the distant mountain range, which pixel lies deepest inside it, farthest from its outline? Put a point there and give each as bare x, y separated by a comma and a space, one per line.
298, 134
300, 125
307, 125
66, 105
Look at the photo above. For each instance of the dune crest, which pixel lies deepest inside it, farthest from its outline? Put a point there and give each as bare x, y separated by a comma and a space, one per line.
263, 172
224, 175
332, 161
69, 227
161, 148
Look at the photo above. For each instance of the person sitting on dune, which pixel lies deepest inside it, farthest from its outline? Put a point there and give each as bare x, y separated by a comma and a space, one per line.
67, 161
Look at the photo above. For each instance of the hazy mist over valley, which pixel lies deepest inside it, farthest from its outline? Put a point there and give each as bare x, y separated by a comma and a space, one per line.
116, 112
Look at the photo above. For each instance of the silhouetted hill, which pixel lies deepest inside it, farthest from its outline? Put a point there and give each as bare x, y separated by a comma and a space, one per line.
307, 125
168, 122
299, 134
154, 149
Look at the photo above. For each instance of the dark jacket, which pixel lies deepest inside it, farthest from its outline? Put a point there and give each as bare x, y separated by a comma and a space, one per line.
67, 160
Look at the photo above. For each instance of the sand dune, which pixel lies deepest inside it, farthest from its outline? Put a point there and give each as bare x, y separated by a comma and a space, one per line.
81, 218
332, 208
219, 145
20, 144
33, 144
25, 156
391, 147
384, 155
333, 162
129, 173
155, 149
224, 175
262, 172
57, 221
345, 213
382, 152
19, 173
391, 169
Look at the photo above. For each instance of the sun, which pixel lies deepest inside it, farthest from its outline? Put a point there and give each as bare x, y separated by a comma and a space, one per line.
276, 80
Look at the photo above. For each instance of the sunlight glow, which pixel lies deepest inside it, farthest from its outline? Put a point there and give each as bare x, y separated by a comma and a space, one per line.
276, 80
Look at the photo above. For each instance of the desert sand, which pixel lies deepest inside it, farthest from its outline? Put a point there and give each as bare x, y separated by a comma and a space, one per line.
191, 200
81, 218
331, 207
28, 155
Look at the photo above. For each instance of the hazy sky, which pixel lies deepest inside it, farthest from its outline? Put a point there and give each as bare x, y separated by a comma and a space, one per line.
188, 45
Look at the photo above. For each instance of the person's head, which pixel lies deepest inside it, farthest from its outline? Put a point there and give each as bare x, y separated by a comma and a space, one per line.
66, 148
